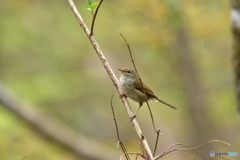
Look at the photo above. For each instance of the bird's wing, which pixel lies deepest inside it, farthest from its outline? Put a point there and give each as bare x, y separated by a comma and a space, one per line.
148, 91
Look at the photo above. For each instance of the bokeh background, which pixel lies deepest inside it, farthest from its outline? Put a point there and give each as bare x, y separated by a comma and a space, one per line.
182, 50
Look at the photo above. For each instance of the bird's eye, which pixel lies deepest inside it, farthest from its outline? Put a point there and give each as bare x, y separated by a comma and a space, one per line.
128, 72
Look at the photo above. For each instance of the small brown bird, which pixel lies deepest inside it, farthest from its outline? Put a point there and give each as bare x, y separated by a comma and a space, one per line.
132, 88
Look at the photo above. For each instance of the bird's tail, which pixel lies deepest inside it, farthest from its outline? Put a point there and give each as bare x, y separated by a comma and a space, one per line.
167, 104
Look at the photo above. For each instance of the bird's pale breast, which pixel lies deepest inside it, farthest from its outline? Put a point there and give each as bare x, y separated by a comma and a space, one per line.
130, 91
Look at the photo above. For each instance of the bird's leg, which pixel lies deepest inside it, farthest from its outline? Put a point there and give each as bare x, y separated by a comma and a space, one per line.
134, 115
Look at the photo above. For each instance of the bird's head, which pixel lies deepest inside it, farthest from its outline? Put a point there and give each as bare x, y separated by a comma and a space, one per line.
128, 73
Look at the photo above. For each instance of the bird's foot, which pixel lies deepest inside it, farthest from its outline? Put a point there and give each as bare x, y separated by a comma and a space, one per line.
123, 95
132, 117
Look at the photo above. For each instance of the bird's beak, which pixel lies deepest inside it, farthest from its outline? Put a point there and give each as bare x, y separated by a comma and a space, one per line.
121, 70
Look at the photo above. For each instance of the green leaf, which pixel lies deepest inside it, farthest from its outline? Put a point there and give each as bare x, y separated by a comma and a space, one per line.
89, 2
87, 9
94, 5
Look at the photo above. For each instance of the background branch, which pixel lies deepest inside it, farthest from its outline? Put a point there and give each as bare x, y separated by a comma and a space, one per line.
54, 129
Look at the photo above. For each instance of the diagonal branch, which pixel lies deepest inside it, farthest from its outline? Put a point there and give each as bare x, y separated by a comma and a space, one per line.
113, 78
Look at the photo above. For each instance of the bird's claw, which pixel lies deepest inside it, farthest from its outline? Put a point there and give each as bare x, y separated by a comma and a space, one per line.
123, 95
132, 117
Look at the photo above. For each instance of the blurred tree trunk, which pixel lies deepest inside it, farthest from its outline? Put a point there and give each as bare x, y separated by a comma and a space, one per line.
195, 94
235, 15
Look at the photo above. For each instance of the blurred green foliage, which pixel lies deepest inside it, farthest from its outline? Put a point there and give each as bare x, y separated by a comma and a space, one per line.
47, 60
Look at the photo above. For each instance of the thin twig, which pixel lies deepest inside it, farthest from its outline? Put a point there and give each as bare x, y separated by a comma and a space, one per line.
180, 149
124, 150
141, 82
197, 155
156, 144
94, 17
187, 147
136, 157
114, 118
118, 135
